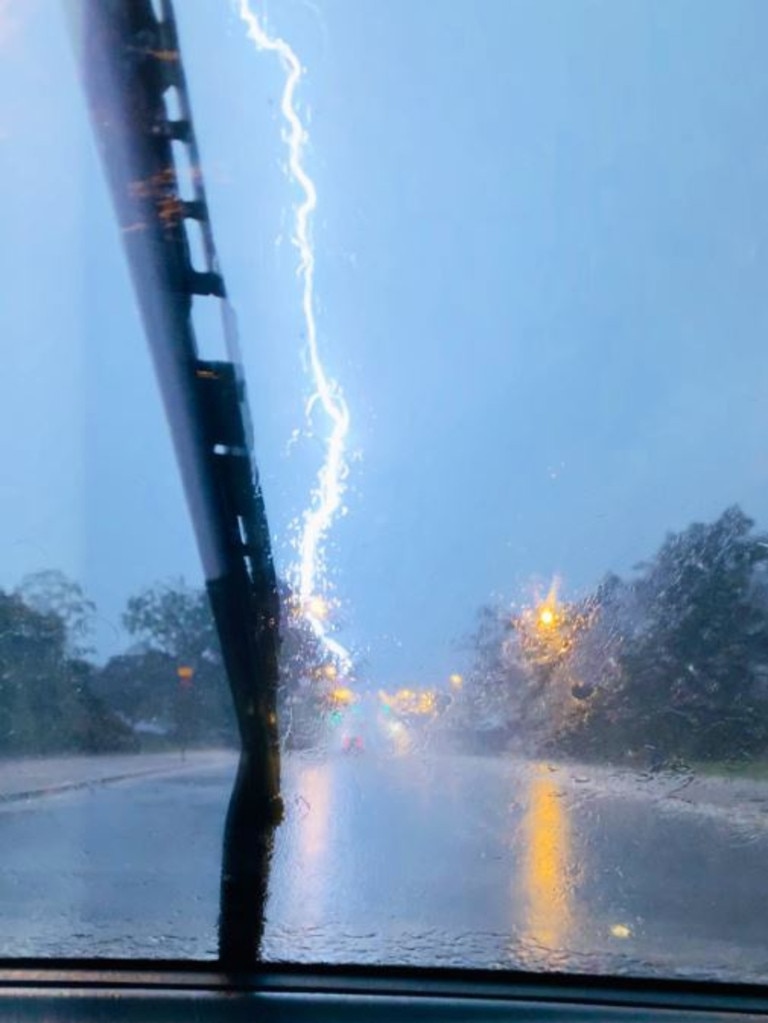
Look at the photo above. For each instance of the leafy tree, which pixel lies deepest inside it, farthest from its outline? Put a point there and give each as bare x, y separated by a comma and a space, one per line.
34, 702
487, 711
679, 654
593, 725
174, 624
671, 665
303, 684
140, 686
95, 729
52, 592
46, 701
692, 674
174, 620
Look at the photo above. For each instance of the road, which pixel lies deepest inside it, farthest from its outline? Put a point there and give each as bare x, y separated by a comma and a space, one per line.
420, 860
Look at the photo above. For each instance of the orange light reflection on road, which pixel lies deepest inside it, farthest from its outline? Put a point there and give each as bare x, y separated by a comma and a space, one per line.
547, 854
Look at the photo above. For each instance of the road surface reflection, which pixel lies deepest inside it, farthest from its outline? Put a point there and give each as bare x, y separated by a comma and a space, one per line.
420, 860
546, 867
495, 862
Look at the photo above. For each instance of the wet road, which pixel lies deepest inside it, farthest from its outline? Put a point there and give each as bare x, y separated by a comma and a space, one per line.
461, 861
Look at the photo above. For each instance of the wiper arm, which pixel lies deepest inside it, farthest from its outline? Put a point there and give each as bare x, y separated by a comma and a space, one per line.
129, 60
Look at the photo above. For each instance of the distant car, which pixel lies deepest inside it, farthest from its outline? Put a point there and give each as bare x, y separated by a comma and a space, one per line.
352, 744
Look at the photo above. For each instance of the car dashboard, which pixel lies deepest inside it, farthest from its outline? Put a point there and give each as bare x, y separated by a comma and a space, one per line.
152, 994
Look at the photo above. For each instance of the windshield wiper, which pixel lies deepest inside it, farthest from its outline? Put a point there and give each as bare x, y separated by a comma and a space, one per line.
129, 61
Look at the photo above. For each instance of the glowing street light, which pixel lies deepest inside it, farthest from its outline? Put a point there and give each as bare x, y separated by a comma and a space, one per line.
316, 608
546, 617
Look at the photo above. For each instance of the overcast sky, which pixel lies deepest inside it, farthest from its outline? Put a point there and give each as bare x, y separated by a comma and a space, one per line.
542, 273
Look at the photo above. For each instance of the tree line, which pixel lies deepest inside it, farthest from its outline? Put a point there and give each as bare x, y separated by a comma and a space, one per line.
167, 689
669, 666
665, 667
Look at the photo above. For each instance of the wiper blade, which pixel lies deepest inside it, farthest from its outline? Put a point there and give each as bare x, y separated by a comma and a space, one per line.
129, 61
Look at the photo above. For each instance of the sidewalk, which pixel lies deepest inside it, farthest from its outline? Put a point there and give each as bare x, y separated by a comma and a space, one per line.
740, 800
30, 777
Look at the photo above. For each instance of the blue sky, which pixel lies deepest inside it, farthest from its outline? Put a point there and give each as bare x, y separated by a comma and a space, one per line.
542, 259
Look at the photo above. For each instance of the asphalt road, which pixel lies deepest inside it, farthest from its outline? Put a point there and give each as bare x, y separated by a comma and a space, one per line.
438, 860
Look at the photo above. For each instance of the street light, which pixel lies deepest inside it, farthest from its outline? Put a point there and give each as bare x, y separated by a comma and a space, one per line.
546, 617
317, 608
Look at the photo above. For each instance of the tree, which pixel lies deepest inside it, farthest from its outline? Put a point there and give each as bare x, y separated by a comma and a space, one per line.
694, 669
34, 703
669, 666
307, 675
175, 621
591, 727
686, 643
51, 592
550, 637
485, 712
175, 626
140, 686
95, 728
46, 701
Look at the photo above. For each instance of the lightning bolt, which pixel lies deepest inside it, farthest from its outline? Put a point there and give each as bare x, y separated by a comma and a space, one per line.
327, 496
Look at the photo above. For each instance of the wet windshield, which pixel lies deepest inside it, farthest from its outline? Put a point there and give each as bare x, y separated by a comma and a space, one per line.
499, 280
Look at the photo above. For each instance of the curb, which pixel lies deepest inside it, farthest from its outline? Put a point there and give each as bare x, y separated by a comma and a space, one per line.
73, 786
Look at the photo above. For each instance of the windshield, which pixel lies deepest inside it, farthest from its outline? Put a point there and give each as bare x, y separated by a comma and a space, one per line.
499, 278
